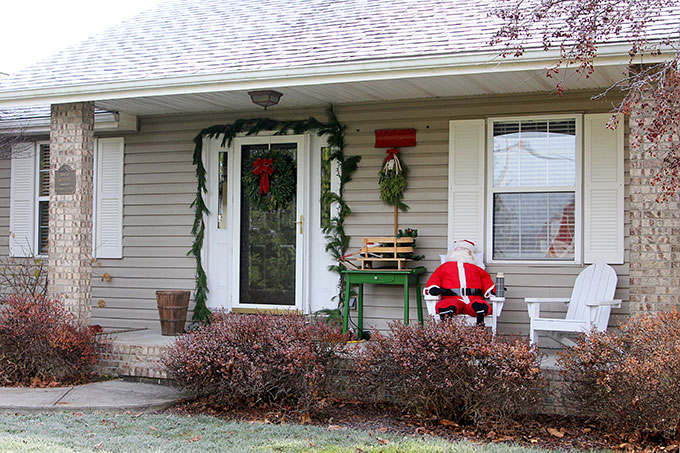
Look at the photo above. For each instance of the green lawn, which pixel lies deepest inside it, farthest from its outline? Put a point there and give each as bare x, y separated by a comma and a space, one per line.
68, 432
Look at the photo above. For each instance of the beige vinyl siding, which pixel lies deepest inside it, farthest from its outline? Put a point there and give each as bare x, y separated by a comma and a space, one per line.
427, 197
160, 185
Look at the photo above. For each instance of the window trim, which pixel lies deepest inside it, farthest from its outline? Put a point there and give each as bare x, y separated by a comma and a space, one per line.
577, 188
38, 198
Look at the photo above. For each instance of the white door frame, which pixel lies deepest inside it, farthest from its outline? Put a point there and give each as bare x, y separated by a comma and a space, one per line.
315, 284
221, 248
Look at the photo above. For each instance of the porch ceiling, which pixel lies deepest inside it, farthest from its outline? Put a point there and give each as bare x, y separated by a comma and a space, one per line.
319, 93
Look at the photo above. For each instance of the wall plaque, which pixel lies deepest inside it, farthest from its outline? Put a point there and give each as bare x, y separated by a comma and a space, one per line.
65, 181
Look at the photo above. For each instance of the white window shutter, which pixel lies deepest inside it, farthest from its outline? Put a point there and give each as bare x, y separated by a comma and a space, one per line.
466, 181
603, 190
108, 222
22, 200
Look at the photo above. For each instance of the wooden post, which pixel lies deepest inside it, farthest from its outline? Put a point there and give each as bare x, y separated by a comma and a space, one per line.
396, 220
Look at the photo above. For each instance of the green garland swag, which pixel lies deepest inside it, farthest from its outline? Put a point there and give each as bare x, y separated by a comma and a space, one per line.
282, 182
336, 239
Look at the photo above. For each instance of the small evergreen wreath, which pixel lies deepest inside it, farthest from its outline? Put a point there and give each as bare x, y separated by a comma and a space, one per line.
282, 181
392, 182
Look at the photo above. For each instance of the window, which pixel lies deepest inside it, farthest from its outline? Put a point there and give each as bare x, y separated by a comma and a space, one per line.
535, 189
43, 201
30, 199
223, 184
326, 197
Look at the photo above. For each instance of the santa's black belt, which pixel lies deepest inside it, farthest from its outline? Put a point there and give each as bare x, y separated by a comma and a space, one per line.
461, 292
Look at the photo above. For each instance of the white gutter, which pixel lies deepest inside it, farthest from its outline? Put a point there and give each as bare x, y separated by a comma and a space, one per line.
103, 122
402, 68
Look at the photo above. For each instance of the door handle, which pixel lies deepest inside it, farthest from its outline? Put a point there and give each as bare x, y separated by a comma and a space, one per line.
301, 223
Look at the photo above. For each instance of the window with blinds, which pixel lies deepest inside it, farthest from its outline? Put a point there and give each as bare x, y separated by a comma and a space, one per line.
534, 189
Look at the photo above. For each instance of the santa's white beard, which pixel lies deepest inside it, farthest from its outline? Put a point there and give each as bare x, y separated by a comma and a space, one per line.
460, 256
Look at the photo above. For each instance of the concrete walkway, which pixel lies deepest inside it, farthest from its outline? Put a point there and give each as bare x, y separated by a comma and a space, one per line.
111, 396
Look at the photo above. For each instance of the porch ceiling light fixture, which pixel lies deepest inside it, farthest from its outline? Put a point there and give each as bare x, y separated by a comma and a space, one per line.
265, 98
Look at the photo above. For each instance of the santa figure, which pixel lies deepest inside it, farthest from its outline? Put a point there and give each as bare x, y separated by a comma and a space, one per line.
462, 284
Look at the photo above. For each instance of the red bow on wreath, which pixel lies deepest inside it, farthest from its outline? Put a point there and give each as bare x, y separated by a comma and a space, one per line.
391, 154
263, 167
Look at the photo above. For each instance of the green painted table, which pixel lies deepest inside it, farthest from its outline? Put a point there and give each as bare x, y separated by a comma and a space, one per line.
406, 278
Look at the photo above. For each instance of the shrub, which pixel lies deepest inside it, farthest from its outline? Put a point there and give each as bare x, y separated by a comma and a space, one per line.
256, 359
451, 371
628, 378
41, 342
22, 277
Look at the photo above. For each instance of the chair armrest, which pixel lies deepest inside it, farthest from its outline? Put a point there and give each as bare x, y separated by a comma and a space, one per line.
538, 300
616, 303
534, 304
497, 304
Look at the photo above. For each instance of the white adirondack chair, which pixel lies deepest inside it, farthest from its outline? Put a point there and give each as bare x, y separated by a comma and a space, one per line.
490, 321
590, 304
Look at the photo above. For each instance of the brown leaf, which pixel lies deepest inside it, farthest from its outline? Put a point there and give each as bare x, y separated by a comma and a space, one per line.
195, 439
504, 438
98, 446
305, 419
627, 446
533, 441
556, 432
335, 428
448, 423
382, 441
382, 430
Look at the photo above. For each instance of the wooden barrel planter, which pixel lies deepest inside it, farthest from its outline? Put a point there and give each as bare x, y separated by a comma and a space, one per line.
172, 311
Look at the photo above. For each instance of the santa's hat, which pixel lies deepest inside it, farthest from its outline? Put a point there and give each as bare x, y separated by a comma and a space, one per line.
465, 244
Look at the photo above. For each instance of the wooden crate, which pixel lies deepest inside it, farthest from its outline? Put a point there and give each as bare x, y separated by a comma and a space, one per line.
386, 250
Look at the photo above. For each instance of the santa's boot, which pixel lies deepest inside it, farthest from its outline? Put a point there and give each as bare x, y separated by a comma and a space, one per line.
447, 312
481, 310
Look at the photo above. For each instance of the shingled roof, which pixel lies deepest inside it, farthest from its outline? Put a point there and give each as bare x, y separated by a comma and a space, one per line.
207, 37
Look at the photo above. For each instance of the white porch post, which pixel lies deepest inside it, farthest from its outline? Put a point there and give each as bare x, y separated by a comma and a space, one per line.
70, 210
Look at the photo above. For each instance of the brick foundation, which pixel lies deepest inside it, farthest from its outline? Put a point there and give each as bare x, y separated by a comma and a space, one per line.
654, 237
121, 359
129, 359
70, 212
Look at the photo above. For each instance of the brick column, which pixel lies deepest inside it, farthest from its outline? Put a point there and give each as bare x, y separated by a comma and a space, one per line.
70, 217
654, 236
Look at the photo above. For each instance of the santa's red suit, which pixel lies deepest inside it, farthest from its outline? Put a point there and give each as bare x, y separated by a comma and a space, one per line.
470, 281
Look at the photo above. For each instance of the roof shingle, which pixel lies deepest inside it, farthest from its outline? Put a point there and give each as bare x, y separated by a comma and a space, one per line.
207, 37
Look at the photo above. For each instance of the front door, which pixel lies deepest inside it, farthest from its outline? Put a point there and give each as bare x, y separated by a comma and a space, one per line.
270, 222
261, 256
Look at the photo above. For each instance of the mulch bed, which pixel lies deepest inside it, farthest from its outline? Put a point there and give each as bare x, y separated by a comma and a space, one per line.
549, 432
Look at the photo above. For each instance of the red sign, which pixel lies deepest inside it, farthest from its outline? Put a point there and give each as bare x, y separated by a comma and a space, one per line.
395, 138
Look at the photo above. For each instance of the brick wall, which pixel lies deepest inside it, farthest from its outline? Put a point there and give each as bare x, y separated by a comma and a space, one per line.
133, 360
654, 237
70, 211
